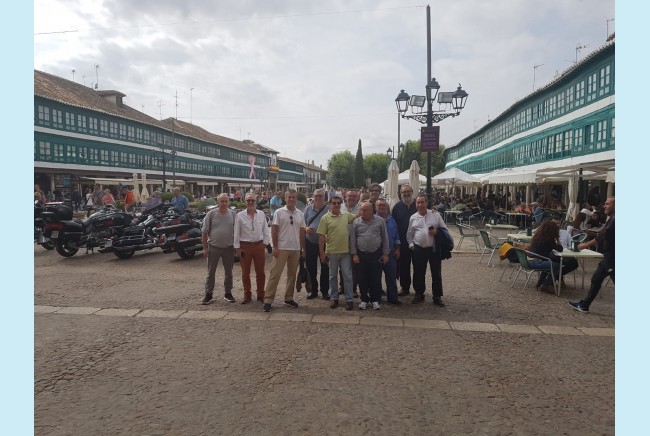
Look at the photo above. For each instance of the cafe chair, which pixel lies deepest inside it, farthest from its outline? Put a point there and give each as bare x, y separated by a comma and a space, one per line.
488, 246
526, 268
580, 237
467, 232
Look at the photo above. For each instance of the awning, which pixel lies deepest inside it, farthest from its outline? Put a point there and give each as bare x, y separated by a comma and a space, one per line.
130, 181
510, 176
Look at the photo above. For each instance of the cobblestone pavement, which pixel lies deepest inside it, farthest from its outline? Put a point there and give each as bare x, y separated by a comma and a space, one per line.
158, 362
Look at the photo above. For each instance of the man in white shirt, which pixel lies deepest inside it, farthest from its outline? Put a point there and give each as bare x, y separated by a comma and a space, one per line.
252, 234
288, 236
423, 226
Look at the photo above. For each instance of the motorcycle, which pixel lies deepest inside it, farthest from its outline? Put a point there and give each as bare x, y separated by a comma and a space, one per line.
181, 233
39, 228
69, 235
136, 237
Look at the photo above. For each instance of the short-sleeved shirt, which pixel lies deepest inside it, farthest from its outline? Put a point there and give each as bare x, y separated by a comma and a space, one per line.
275, 204
220, 228
336, 231
289, 225
180, 203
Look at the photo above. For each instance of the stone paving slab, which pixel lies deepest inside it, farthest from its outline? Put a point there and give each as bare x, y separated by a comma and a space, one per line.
150, 313
79, 310
335, 319
296, 317
557, 330
427, 324
596, 331
204, 314
261, 316
46, 309
523, 329
387, 322
117, 312
475, 326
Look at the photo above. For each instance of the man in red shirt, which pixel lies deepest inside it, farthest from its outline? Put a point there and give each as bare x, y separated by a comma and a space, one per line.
129, 199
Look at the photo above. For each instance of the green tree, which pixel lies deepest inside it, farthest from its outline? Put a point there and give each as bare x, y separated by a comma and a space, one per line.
340, 169
359, 171
376, 167
412, 151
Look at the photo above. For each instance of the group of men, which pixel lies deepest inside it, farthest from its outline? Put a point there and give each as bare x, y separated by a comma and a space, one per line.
356, 242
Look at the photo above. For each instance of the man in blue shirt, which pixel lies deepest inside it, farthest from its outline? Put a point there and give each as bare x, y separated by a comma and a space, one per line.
179, 201
275, 203
390, 268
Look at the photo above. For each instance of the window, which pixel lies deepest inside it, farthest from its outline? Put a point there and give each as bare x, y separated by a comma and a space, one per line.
69, 121
103, 127
92, 125
44, 150
115, 158
93, 155
83, 153
578, 140
58, 153
612, 133
147, 137
604, 80
592, 84
580, 93
104, 157
113, 129
122, 131
560, 103
589, 138
569, 98
57, 118
601, 135
43, 115
71, 153
139, 135
568, 140
81, 122
131, 132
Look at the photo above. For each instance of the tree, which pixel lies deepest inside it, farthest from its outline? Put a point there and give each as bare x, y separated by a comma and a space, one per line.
412, 151
340, 169
376, 167
359, 171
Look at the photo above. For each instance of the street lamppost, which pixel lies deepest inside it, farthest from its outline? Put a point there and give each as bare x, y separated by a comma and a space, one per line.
391, 152
457, 99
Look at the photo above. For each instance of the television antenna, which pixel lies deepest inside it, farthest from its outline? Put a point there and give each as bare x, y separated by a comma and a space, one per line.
579, 48
535, 67
96, 75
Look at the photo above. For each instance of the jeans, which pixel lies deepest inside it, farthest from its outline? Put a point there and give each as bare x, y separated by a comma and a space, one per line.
227, 255
312, 260
390, 271
545, 265
344, 262
605, 268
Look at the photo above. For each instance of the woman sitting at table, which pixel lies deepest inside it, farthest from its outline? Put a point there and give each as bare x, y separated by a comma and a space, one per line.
579, 224
545, 240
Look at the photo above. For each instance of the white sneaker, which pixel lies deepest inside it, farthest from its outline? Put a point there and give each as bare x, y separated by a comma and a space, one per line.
376, 305
363, 305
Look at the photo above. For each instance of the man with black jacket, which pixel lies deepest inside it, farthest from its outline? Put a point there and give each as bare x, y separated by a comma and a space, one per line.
401, 213
606, 244
313, 214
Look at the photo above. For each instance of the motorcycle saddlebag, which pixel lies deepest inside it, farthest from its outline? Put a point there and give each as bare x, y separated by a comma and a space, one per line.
55, 213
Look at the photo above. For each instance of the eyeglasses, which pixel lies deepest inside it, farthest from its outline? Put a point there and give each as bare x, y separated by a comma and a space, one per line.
335, 202
291, 219
250, 200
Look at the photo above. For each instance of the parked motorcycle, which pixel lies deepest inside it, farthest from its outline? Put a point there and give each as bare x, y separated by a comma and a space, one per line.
39, 228
69, 235
181, 233
138, 236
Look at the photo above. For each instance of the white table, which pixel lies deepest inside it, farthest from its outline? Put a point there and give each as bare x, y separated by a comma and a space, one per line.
451, 212
581, 256
501, 227
519, 237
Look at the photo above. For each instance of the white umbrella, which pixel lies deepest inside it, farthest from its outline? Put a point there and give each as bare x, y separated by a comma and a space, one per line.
414, 176
455, 176
144, 195
574, 207
136, 188
392, 183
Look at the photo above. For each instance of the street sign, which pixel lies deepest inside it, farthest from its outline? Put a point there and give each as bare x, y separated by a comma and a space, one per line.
430, 138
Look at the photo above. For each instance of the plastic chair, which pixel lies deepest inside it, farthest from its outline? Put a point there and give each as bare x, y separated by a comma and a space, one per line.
488, 246
467, 232
524, 266
580, 237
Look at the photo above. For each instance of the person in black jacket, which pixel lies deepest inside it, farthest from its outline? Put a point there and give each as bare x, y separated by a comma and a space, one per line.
401, 213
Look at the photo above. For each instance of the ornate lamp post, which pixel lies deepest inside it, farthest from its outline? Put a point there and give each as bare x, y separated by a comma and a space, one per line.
456, 99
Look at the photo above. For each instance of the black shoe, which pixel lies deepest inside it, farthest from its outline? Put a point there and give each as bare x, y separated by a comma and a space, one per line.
325, 297
207, 299
418, 299
438, 302
312, 296
290, 303
577, 305
394, 303
267, 307
334, 304
349, 305
229, 298
403, 292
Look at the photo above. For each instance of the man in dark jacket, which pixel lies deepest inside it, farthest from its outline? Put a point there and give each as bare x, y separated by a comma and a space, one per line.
606, 244
401, 213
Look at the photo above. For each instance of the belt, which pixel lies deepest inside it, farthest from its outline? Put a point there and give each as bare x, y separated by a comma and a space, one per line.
250, 242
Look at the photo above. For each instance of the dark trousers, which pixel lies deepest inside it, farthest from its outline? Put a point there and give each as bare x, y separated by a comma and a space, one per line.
312, 260
369, 275
421, 257
390, 270
404, 267
605, 268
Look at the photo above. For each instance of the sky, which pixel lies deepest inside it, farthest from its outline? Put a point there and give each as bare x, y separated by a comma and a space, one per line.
309, 78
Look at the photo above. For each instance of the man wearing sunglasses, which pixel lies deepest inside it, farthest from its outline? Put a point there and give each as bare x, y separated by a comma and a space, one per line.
288, 235
251, 236
313, 214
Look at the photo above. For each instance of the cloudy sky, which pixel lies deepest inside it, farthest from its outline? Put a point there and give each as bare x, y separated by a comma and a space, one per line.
311, 78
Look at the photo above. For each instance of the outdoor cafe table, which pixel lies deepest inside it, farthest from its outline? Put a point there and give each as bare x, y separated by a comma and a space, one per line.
581, 256
514, 214
451, 212
519, 237
501, 227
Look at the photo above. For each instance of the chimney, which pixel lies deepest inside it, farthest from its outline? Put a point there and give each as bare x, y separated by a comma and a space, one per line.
114, 97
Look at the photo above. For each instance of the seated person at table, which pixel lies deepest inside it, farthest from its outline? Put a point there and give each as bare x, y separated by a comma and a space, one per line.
459, 206
587, 209
595, 221
521, 208
545, 240
538, 212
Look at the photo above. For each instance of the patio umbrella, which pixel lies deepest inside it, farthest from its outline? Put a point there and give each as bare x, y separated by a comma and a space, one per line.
414, 176
144, 195
136, 188
392, 183
574, 207
455, 176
